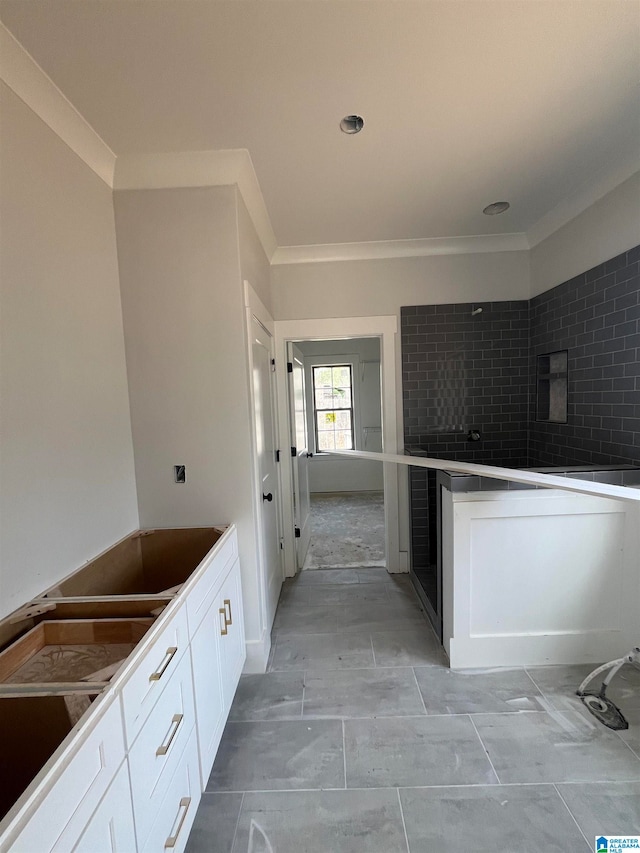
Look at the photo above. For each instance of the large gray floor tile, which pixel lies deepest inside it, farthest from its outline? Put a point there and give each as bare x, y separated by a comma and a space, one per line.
414, 751
493, 819
321, 822
346, 594
362, 693
322, 651
555, 747
274, 696
294, 592
296, 618
559, 685
215, 825
604, 808
447, 691
416, 646
279, 756
314, 576
396, 614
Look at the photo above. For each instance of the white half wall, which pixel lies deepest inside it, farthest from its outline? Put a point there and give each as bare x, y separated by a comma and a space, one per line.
602, 231
67, 477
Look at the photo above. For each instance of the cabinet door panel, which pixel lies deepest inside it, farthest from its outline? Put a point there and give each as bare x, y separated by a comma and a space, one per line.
111, 828
207, 684
232, 644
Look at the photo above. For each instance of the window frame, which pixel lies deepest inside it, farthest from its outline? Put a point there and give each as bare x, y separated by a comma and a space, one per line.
351, 408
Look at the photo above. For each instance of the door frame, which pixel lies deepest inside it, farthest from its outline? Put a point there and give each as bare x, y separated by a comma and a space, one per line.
343, 328
254, 307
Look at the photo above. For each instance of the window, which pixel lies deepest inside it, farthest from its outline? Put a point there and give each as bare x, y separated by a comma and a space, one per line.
333, 407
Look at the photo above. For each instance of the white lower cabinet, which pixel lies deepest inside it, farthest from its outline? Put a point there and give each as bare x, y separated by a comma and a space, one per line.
111, 829
129, 776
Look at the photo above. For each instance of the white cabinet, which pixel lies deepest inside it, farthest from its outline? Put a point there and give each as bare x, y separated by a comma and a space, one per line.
129, 775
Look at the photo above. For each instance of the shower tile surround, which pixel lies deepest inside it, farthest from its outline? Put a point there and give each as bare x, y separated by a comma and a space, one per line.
463, 370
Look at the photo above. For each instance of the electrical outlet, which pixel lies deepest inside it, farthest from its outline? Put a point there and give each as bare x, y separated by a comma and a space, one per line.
179, 473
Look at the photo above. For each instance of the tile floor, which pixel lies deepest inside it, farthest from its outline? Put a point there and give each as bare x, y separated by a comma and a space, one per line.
359, 739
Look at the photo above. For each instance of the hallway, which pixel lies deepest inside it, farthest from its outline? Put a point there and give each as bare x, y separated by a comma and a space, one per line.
347, 530
359, 739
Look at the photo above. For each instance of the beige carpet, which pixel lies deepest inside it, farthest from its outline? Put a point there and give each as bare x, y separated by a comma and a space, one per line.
347, 530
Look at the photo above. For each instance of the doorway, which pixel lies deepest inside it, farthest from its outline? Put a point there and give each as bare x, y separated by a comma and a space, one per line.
312, 339
335, 392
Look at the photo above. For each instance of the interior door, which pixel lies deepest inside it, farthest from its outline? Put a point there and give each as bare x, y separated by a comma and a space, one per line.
299, 440
266, 460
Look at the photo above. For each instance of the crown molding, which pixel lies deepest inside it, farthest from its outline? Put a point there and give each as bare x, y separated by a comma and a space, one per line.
601, 183
35, 88
199, 169
399, 249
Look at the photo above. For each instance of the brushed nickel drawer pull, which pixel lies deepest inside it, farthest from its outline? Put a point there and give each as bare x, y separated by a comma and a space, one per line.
223, 631
157, 675
185, 802
175, 722
227, 603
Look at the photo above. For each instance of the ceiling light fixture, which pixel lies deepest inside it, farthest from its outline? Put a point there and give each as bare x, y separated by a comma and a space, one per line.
496, 207
352, 124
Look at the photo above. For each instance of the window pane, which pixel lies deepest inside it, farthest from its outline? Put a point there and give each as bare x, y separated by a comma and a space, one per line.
325, 441
343, 440
324, 398
322, 375
342, 376
343, 419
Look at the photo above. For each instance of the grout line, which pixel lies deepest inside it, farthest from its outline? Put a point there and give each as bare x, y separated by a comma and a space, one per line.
414, 787
628, 745
304, 687
272, 654
485, 748
415, 678
404, 826
394, 716
344, 755
373, 650
235, 832
572, 814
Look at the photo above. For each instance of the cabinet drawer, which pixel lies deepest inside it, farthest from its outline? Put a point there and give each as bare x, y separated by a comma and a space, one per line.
66, 807
157, 751
201, 596
158, 660
111, 829
178, 810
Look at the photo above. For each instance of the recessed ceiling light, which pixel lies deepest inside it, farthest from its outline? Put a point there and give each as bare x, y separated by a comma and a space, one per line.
496, 207
352, 124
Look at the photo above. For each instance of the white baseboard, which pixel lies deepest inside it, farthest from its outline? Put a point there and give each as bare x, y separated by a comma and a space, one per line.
257, 655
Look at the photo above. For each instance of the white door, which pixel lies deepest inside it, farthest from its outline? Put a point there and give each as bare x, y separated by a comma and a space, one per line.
299, 440
265, 433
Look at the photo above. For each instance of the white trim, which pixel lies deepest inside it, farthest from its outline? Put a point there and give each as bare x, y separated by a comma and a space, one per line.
399, 249
600, 184
257, 655
200, 169
341, 328
34, 87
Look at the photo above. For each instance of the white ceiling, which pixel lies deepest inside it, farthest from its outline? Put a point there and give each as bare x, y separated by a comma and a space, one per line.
465, 103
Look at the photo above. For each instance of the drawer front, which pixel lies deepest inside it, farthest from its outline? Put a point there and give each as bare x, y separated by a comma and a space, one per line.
201, 596
157, 751
178, 809
152, 671
67, 806
111, 829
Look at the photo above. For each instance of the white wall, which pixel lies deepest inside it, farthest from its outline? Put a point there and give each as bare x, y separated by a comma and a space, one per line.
606, 229
67, 476
330, 474
186, 358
